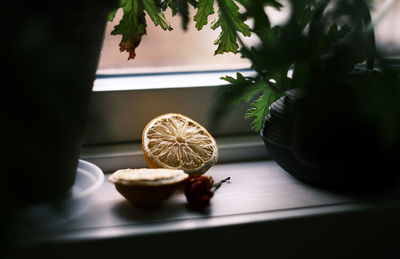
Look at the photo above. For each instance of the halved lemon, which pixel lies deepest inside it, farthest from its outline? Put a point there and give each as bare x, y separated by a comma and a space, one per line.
147, 187
175, 141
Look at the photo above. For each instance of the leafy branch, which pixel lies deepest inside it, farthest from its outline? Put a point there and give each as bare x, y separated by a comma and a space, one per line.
231, 23
311, 47
132, 26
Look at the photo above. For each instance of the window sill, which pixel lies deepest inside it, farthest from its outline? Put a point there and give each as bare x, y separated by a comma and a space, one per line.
261, 210
130, 155
165, 80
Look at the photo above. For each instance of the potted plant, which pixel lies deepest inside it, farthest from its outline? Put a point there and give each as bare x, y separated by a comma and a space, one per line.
326, 100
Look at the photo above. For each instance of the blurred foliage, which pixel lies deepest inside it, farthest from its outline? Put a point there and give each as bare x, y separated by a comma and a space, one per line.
323, 44
132, 26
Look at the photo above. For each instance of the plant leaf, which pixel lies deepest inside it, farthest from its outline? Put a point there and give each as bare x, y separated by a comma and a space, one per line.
241, 89
230, 21
171, 4
256, 11
204, 9
132, 26
183, 10
260, 108
156, 15
180, 7
111, 15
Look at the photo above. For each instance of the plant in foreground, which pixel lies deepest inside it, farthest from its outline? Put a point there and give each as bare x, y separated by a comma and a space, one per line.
132, 26
325, 46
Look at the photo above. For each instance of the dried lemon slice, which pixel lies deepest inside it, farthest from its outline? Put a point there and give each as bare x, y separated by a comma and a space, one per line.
175, 141
147, 187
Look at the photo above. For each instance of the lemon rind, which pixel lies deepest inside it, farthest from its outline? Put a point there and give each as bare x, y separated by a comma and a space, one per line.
119, 177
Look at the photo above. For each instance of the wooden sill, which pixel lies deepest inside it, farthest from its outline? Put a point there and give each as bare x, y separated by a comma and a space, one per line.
262, 211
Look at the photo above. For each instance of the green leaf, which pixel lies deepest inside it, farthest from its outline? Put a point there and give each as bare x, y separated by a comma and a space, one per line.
171, 4
260, 108
255, 11
204, 9
278, 84
230, 21
242, 89
226, 41
180, 7
132, 26
156, 15
183, 11
111, 15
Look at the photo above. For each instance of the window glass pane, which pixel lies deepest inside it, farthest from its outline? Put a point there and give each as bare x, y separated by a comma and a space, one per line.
387, 29
175, 50
179, 50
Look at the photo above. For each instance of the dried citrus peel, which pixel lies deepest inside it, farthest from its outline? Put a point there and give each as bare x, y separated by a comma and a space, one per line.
147, 176
175, 141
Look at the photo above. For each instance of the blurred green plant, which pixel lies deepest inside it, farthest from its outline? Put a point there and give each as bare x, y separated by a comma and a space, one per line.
323, 44
132, 26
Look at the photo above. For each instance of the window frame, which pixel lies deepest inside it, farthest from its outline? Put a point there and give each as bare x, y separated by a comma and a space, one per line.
122, 105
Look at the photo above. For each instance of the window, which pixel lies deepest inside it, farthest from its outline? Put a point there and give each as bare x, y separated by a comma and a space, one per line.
174, 71
177, 72
387, 29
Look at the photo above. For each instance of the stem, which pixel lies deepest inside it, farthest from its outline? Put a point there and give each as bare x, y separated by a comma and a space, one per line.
217, 185
369, 31
314, 38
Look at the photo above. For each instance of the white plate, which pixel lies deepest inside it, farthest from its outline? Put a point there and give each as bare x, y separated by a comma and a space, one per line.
46, 216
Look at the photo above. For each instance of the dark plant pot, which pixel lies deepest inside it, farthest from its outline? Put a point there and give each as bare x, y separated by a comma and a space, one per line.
326, 143
51, 58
